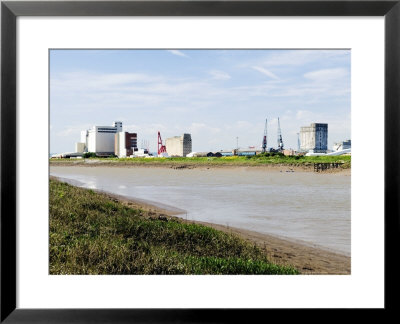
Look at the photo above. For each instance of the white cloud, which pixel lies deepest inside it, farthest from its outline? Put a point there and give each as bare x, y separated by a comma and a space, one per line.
326, 74
265, 72
220, 75
85, 80
302, 57
201, 129
304, 114
73, 130
178, 53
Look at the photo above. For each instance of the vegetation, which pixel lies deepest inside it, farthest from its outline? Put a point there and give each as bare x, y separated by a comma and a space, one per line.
91, 233
251, 160
89, 155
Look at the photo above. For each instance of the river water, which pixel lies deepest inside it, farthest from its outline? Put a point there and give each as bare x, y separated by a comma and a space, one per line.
311, 207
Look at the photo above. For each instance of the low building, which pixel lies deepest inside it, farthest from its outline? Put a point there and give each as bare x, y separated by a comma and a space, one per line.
343, 145
226, 152
196, 154
314, 138
125, 144
289, 152
214, 154
248, 151
179, 145
141, 153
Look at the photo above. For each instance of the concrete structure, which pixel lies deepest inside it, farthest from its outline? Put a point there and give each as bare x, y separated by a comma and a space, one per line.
289, 152
179, 145
125, 144
84, 139
344, 145
314, 138
141, 153
80, 147
101, 139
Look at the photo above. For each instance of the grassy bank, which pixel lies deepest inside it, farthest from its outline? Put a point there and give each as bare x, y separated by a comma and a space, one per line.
93, 234
256, 160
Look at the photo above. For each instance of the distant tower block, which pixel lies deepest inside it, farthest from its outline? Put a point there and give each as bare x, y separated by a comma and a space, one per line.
314, 138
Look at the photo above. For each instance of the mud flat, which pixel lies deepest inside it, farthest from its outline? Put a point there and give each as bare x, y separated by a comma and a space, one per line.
306, 167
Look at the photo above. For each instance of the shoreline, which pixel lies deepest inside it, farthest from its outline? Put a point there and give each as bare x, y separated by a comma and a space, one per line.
187, 166
304, 257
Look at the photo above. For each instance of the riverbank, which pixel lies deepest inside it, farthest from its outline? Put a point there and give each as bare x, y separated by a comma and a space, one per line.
183, 164
305, 258
95, 233
272, 161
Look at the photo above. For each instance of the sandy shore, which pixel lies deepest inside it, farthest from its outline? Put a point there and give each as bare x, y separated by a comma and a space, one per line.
304, 257
265, 167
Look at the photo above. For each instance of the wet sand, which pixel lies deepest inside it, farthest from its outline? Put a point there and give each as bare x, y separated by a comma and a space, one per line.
306, 258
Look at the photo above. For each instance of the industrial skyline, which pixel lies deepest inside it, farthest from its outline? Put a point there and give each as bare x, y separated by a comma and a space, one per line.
221, 97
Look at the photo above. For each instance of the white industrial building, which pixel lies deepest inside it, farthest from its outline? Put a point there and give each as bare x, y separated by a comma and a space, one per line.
179, 145
99, 139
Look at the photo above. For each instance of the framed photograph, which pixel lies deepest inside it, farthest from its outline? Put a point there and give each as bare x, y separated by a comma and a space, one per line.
144, 141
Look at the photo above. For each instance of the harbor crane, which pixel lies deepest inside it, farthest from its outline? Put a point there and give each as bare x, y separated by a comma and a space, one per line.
280, 142
161, 148
264, 142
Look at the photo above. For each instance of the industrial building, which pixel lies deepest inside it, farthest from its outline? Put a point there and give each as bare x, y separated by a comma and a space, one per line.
314, 138
79, 147
125, 144
343, 145
99, 139
179, 145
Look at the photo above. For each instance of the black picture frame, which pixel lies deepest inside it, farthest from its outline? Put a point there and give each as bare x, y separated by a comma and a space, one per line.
10, 10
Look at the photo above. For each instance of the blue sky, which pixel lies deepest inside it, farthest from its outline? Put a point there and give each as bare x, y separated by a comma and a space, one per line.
216, 95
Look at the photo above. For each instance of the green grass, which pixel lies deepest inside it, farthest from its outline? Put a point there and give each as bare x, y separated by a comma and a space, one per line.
228, 160
93, 234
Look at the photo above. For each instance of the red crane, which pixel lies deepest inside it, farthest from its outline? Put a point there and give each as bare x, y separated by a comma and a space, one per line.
161, 147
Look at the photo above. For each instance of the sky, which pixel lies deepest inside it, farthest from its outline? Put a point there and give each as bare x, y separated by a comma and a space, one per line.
221, 97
